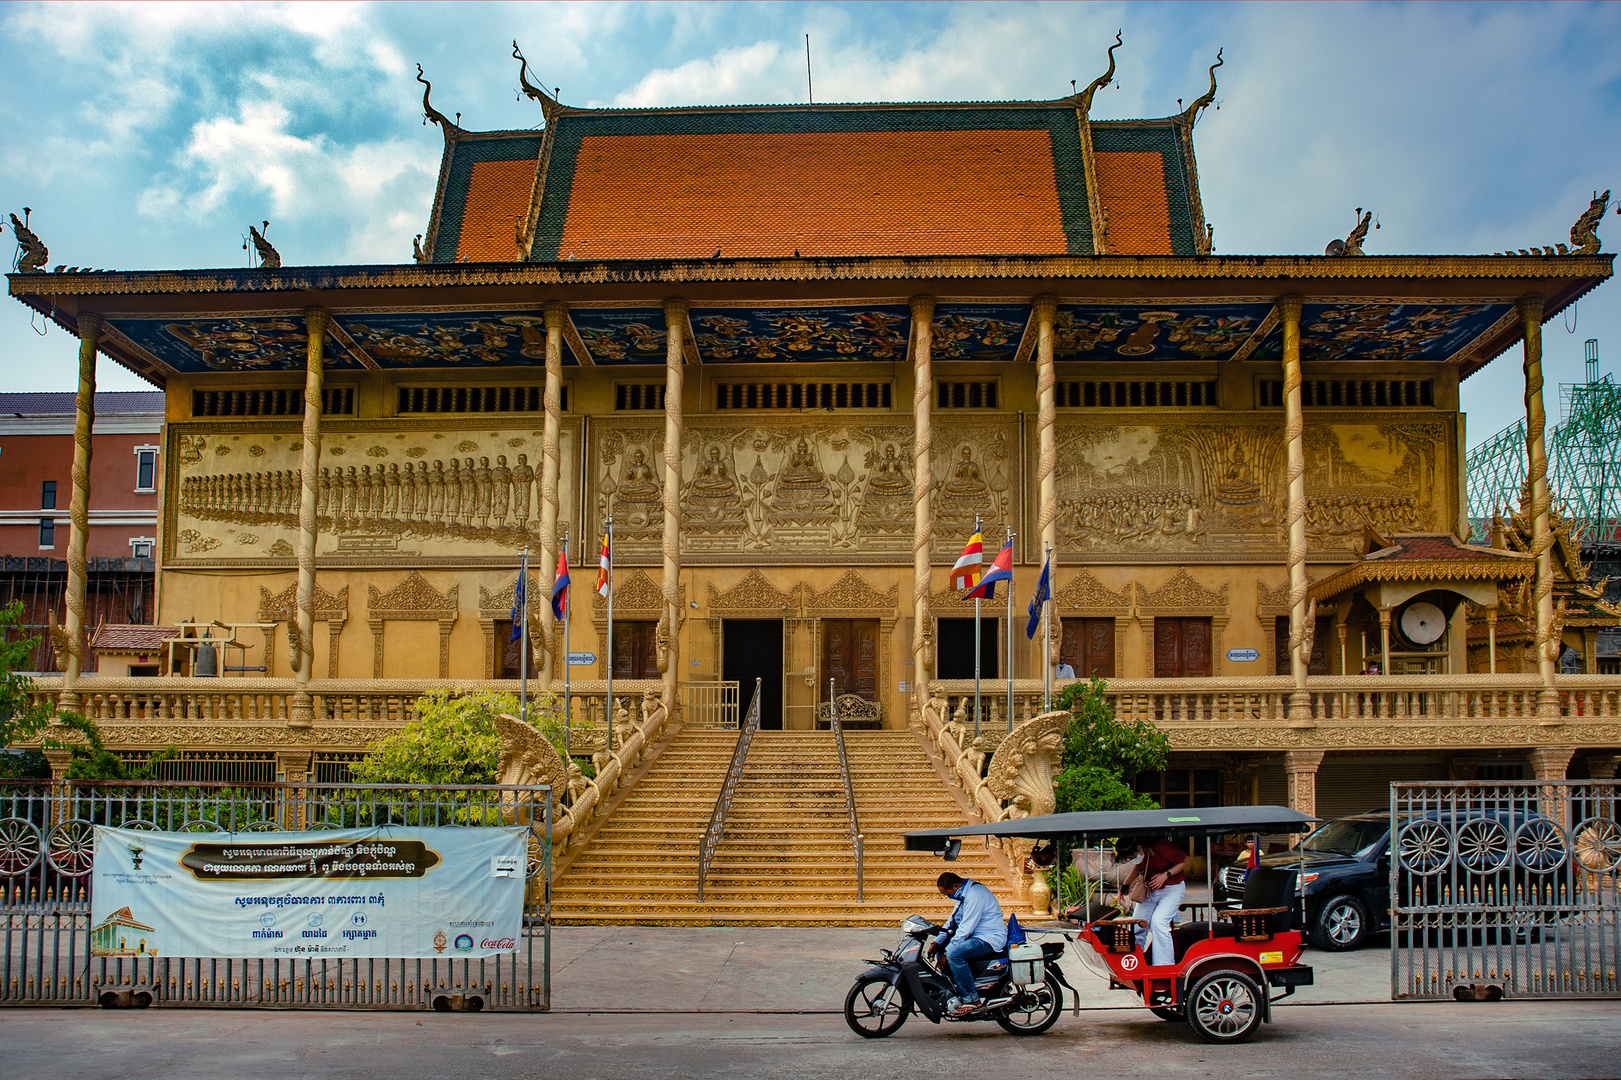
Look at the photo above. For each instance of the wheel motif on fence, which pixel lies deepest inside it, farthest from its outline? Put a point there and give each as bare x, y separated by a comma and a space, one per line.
1424, 847
1598, 845
19, 846
139, 825
200, 825
537, 853
319, 826
1539, 844
71, 847
1483, 846
265, 825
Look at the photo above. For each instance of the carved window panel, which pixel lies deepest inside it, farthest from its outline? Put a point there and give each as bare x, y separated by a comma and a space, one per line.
635, 649
509, 653
1182, 648
850, 657
1088, 647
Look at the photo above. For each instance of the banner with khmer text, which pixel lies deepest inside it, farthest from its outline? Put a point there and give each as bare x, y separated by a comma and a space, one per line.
394, 891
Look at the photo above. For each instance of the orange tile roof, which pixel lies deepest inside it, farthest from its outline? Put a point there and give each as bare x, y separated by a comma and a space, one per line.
1131, 186
822, 193
118, 637
497, 202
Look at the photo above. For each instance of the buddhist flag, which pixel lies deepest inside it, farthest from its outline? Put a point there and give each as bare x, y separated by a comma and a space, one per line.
965, 575
1001, 570
1043, 593
560, 586
606, 573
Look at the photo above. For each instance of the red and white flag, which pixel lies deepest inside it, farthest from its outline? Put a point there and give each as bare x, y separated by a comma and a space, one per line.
965, 575
606, 573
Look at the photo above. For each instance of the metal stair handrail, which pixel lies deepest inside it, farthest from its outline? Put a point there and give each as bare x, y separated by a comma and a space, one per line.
849, 792
723, 802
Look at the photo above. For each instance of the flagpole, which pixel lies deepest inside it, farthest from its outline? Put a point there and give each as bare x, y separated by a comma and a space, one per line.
568, 601
609, 660
523, 660
976, 647
1010, 632
1047, 635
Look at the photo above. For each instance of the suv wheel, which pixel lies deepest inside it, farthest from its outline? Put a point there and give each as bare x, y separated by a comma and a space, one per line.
1342, 923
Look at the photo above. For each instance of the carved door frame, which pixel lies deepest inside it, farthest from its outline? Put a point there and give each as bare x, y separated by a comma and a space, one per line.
853, 597
754, 597
950, 604
412, 600
1083, 596
330, 608
1182, 597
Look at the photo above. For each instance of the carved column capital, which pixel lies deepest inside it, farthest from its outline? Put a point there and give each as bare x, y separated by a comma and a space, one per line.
1530, 308
556, 311
316, 320
1601, 766
90, 325
1551, 762
1045, 308
1289, 308
675, 306
923, 308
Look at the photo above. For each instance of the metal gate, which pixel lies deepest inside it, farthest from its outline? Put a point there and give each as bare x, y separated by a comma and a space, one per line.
47, 837
1504, 890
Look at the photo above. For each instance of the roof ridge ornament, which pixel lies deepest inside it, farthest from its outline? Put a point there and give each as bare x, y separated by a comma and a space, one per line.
1584, 239
1352, 244
1083, 100
446, 125
31, 252
549, 105
269, 257
1190, 116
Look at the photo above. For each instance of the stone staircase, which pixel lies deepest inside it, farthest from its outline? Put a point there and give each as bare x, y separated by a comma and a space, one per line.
787, 857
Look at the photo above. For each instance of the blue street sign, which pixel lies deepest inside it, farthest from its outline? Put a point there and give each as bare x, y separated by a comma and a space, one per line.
581, 659
1243, 656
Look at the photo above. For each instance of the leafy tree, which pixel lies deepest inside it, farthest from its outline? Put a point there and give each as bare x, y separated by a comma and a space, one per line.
91, 760
1103, 754
454, 740
21, 719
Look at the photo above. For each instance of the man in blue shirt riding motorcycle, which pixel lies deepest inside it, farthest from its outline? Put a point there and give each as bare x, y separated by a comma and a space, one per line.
975, 930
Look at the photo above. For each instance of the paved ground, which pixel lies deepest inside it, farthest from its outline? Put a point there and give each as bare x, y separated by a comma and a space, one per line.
750, 1002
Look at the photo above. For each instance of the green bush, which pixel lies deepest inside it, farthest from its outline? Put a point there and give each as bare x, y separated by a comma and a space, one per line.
454, 740
20, 717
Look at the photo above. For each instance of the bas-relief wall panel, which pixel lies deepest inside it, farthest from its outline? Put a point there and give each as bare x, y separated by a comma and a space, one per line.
828, 492
1143, 488
453, 494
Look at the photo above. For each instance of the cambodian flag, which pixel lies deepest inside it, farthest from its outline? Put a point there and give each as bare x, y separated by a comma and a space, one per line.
606, 573
560, 586
965, 575
1001, 570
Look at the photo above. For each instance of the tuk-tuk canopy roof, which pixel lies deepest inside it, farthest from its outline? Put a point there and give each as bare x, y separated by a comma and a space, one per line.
1126, 824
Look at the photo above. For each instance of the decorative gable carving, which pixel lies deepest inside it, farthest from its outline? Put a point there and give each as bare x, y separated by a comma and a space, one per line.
412, 598
851, 595
754, 595
636, 596
1084, 595
327, 606
1182, 595
1274, 602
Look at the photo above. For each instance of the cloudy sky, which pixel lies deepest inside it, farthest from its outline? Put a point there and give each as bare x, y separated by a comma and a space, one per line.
150, 135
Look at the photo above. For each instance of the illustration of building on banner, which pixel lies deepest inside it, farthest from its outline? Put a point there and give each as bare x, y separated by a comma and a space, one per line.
113, 936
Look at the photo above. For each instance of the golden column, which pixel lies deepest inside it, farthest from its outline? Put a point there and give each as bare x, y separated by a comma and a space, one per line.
550, 466
1046, 311
79, 509
301, 713
1536, 421
1294, 430
922, 490
669, 631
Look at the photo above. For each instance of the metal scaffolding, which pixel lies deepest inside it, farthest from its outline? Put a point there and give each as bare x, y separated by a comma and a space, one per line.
1584, 462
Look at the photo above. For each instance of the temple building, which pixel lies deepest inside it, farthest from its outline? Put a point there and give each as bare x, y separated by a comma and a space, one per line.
796, 353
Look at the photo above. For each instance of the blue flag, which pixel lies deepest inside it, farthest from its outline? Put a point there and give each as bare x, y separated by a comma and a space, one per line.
1043, 593
520, 609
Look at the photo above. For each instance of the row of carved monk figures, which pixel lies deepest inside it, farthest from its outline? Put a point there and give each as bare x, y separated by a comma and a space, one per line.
474, 496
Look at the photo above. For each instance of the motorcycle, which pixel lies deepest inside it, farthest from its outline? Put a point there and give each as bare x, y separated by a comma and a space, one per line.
1024, 996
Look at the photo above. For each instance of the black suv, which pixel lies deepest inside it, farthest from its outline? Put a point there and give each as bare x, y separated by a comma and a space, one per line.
1346, 878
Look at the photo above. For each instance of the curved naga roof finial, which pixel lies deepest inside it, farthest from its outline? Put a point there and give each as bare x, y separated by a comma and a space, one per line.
1191, 115
548, 104
431, 113
31, 252
1583, 235
1084, 103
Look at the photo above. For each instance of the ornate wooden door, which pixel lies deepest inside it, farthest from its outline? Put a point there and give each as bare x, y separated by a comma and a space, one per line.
1088, 647
1181, 648
1319, 646
850, 657
636, 650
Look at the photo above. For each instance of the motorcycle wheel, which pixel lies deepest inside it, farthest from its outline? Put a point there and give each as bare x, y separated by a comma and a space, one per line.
1226, 1007
875, 1008
1035, 1010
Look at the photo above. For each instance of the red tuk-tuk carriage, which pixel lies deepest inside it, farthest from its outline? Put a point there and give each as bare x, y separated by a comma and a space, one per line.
1227, 966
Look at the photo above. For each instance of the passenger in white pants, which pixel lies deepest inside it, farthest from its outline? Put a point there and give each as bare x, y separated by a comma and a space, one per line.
1163, 864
